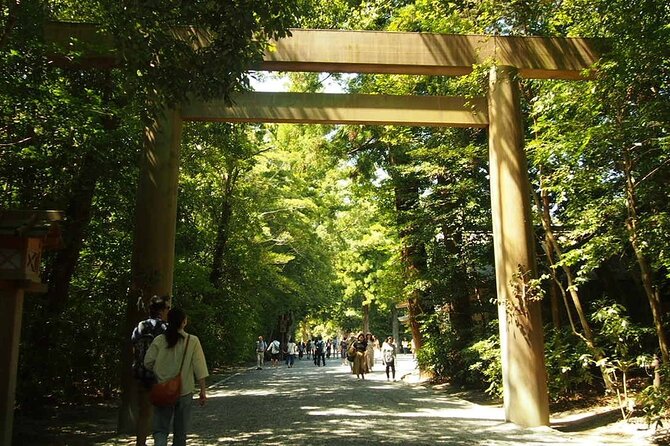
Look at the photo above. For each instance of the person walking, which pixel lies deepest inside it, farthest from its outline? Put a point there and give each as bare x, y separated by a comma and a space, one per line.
389, 356
275, 351
329, 348
170, 353
291, 351
301, 350
319, 352
261, 346
142, 337
360, 366
309, 347
343, 351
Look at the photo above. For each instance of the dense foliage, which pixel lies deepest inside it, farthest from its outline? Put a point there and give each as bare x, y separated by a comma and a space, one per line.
306, 230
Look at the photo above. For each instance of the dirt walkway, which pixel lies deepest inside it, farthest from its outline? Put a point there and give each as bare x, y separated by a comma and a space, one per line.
308, 405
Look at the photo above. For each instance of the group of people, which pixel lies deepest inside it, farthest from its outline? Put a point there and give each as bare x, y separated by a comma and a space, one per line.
358, 351
162, 351
274, 351
317, 349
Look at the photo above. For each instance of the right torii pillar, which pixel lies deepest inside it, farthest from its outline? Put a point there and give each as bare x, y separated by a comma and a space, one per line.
526, 400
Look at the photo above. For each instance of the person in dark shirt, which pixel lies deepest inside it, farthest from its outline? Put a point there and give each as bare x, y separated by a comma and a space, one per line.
319, 352
141, 338
360, 367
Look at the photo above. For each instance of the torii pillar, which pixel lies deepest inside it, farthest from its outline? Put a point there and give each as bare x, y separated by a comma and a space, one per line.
153, 249
526, 400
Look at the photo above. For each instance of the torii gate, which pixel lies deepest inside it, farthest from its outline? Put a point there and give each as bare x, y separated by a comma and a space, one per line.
521, 337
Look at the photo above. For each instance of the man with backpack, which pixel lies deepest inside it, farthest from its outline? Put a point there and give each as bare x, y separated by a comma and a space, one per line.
275, 349
142, 337
319, 352
261, 346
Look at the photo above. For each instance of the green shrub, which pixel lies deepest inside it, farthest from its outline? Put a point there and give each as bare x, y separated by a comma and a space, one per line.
439, 353
655, 401
484, 364
568, 366
616, 334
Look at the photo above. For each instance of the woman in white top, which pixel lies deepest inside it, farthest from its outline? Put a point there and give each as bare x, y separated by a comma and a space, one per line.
291, 351
388, 357
164, 357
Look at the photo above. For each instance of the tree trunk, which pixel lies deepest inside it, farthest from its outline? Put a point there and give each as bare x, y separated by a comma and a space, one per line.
366, 318
395, 326
459, 310
414, 257
79, 210
222, 234
415, 310
555, 307
223, 227
572, 289
78, 217
646, 272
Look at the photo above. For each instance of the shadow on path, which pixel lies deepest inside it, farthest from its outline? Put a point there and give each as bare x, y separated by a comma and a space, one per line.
309, 405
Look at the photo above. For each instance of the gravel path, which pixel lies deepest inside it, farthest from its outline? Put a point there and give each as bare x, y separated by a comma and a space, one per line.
309, 405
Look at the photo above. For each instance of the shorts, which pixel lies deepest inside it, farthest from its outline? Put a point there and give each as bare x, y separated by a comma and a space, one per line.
274, 356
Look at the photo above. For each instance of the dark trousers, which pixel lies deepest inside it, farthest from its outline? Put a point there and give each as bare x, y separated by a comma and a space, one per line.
319, 358
390, 366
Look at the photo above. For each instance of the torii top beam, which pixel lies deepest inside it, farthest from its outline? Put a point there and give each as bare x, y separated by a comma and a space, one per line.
378, 51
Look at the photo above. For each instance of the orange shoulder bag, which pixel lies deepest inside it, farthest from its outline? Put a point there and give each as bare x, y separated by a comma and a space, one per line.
168, 392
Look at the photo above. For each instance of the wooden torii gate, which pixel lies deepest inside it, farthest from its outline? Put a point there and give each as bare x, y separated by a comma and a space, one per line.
521, 337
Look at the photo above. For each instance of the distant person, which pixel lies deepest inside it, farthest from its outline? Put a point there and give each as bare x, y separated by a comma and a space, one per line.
261, 346
412, 347
165, 357
142, 337
308, 348
360, 364
291, 351
301, 350
319, 352
275, 351
343, 350
389, 357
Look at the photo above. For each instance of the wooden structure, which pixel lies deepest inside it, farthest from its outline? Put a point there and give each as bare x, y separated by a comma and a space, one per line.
524, 374
23, 237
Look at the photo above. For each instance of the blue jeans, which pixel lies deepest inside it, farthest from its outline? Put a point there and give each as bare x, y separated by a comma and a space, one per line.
163, 416
290, 359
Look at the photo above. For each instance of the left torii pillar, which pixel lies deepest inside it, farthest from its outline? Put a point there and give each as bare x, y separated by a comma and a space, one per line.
153, 251
23, 237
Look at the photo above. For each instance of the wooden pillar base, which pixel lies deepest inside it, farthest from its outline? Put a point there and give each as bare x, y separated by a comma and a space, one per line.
11, 309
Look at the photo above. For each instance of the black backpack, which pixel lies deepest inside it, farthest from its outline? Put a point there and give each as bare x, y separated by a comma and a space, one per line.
146, 332
319, 346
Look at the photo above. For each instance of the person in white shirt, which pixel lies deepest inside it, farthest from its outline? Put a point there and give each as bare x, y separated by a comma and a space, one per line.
275, 352
291, 351
165, 356
388, 357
